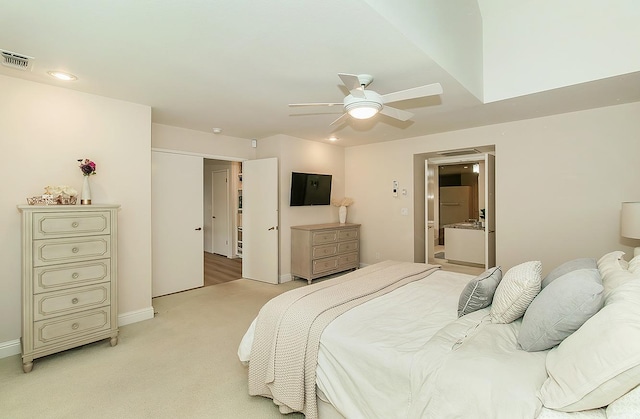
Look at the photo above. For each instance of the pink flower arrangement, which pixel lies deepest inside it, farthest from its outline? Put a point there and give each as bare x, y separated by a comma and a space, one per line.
88, 167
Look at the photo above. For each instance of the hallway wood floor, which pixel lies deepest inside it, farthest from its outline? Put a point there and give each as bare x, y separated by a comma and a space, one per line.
219, 269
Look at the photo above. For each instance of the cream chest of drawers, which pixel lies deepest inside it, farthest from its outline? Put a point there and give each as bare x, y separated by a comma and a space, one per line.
69, 277
323, 249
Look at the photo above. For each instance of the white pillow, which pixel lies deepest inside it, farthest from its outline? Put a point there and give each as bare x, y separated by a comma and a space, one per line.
626, 407
634, 265
614, 271
600, 361
518, 288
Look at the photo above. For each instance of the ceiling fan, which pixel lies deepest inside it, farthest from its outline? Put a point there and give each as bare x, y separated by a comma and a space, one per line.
364, 104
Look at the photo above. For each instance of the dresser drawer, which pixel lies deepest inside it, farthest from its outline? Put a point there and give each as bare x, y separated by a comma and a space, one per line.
57, 303
51, 225
346, 247
348, 234
56, 277
324, 265
72, 326
324, 251
348, 261
48, 252
322, 237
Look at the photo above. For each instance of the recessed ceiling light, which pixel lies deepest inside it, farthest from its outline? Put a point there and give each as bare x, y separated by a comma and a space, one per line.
217, 130
333, 138
61, 75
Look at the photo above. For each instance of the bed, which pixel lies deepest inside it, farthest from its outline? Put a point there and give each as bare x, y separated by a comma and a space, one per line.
405, 340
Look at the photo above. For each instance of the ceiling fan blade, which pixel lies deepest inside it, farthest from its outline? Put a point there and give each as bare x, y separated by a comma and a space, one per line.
341, 119
396, 113
416, 92
352, 82
315, 104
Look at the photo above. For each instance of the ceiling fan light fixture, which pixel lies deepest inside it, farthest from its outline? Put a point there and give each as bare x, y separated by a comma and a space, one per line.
363, 110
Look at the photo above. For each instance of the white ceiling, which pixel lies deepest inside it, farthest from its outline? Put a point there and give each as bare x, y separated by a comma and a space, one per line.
237, 64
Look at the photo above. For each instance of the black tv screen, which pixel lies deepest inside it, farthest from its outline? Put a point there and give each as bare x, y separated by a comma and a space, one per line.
310, 189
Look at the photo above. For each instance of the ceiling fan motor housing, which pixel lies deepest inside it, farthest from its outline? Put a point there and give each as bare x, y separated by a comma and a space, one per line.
372, 100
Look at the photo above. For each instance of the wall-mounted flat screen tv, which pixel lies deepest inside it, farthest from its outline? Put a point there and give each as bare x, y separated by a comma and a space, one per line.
310, 189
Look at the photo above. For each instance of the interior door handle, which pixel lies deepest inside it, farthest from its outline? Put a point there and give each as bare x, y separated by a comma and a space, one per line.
199, 228
273, 228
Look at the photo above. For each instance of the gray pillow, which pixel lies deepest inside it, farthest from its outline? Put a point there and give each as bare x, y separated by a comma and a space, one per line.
560, 309
565, 268
479, 291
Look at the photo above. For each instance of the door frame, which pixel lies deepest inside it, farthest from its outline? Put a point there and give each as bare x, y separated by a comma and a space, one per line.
489, 195
204, 156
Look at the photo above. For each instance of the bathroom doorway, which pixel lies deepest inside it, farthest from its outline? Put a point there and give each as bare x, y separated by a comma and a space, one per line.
427, 199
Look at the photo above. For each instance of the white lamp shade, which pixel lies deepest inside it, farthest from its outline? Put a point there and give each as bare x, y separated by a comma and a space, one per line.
630, 220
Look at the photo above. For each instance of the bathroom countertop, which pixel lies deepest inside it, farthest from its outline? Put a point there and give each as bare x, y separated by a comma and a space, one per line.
468, 226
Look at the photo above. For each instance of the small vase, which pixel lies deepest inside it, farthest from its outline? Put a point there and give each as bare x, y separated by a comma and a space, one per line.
342, 214
85, 197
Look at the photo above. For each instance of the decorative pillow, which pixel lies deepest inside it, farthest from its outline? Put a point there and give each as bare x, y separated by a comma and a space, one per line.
518, 288
560, 309
599, 362
626, 406
634, 265
613, 269
565, 268
479, 291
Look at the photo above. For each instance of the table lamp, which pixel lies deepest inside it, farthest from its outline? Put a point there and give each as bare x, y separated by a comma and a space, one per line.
630, 222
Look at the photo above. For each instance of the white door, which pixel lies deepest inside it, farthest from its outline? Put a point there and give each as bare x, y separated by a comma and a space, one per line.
260, 220
220, 212
431, 176
176, 222
490, 211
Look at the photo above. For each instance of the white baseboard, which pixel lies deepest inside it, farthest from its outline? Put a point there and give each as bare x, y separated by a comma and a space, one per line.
10, 348
135, 316
285, 278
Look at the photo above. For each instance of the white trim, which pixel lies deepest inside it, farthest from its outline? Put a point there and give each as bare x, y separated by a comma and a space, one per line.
135, 316
203, 155
285, 278
12, 347
9, 348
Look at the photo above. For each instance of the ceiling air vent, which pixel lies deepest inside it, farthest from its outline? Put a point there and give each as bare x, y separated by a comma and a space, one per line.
459, 152
17, 61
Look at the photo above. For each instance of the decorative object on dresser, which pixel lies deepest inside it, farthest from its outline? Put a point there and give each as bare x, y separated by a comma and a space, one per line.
55, 195
88, 168
69, 277
342, 205
319, 250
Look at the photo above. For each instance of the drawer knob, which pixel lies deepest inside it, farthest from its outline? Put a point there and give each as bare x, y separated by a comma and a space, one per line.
74, 301
75, 250
75, 275
74, 224
75, 326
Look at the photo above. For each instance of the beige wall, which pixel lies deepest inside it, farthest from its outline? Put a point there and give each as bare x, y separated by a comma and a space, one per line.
559, 184
209, 145
43, 131
297, 155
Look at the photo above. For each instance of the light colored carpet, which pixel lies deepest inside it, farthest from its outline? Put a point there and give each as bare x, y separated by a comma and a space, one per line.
181, 364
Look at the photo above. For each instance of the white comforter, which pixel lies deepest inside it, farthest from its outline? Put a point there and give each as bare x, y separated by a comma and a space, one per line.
379, 360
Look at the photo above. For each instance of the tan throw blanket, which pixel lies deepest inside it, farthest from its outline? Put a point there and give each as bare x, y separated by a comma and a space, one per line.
284, 354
